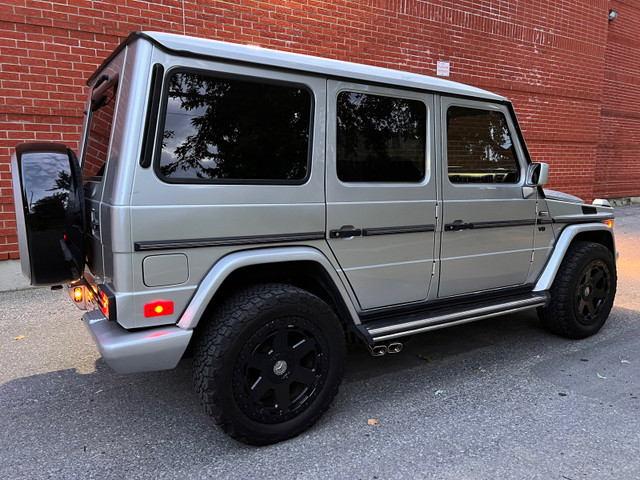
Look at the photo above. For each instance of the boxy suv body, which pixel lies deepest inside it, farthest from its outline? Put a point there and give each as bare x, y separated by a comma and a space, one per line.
251, 206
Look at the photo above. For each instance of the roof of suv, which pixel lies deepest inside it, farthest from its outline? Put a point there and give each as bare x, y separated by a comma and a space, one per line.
192, 46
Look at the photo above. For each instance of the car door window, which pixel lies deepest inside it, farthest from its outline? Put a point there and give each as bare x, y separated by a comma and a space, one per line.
479, 147
380, 138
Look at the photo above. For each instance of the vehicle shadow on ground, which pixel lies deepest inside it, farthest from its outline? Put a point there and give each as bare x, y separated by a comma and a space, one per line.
95, 419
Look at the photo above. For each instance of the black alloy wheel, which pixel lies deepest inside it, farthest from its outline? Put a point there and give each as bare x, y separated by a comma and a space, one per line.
582, 292
280, 370
592, 291
269, 362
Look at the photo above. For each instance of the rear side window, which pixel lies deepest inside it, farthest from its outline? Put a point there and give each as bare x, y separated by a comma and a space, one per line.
479, 147
103, 103
380, 138
219, 129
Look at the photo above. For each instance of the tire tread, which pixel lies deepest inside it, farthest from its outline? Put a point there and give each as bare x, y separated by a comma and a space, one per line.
226, 324
558, 315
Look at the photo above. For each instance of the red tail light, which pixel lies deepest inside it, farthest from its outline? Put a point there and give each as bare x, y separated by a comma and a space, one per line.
104, 304
106, 297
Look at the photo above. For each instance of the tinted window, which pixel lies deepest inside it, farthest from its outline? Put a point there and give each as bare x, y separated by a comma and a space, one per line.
380, 139
222, 129
479, 147
102, 109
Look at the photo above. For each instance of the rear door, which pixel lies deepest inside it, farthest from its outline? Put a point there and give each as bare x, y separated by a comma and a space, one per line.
97, 150
381, 191
488, 213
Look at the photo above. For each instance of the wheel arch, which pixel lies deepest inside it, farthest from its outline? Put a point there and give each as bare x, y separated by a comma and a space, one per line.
304, 267
591, 232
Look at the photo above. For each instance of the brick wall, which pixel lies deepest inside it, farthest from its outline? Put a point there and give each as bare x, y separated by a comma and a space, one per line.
618, 149
571, 74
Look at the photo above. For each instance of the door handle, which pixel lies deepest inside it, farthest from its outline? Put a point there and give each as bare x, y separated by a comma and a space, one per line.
346, 231
457, 225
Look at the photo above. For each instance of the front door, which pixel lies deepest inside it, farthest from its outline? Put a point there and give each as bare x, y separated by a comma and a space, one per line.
488, 213
381, 191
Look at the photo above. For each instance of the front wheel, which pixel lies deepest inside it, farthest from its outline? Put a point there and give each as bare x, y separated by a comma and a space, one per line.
582, 293
269, 363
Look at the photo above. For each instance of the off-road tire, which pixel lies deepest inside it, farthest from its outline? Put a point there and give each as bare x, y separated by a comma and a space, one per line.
582, 293
249, 344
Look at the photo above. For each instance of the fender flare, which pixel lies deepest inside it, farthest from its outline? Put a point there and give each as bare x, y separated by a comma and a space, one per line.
562, 245
246, 258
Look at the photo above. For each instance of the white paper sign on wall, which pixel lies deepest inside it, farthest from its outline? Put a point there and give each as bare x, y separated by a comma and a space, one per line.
443, 69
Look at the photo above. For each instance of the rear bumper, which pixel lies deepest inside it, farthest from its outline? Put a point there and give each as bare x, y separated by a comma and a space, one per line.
146, 350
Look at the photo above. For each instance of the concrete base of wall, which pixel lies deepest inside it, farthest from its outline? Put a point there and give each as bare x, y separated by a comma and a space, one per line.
619, 202
11, 277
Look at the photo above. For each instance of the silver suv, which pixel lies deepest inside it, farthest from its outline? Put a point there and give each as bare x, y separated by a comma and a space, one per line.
252, 207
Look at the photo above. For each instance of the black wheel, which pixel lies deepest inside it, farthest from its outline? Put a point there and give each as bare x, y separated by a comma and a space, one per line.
582, 293
269, 363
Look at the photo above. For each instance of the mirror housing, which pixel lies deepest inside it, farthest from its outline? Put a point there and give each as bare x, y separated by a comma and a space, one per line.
537, 175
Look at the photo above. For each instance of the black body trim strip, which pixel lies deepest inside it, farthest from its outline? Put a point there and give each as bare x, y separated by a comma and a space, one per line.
505, 223
578, 220
226, 241
368, 232
449, 227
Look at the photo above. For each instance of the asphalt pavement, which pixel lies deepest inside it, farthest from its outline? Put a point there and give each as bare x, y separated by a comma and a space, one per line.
501, 398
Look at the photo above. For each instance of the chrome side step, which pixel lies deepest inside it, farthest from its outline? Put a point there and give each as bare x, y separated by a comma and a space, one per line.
397, 326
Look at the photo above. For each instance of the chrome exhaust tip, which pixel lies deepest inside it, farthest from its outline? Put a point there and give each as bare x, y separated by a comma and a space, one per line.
394, 347
378, 350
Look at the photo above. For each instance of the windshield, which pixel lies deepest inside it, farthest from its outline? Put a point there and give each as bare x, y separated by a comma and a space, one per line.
100, 123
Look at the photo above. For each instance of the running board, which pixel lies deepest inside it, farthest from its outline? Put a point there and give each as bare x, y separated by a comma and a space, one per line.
397, 326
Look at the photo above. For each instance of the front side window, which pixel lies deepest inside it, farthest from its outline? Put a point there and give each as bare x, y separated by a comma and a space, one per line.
219, 129
479, 147
380, 138
103, 104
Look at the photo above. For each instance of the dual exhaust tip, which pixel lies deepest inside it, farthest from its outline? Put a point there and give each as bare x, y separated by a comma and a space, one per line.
380, 350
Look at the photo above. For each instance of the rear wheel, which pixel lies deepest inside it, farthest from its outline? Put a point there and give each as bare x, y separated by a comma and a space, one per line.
582, 293
269, 363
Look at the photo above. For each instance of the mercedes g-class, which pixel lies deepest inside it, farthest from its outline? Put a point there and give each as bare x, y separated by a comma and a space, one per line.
256, 208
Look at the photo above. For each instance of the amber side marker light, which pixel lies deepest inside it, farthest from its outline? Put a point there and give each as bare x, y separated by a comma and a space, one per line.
78, 294
158, 308
609, 223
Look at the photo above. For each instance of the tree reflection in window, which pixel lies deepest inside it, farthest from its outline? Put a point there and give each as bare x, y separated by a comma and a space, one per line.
219, 129
380, 139
479, 147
